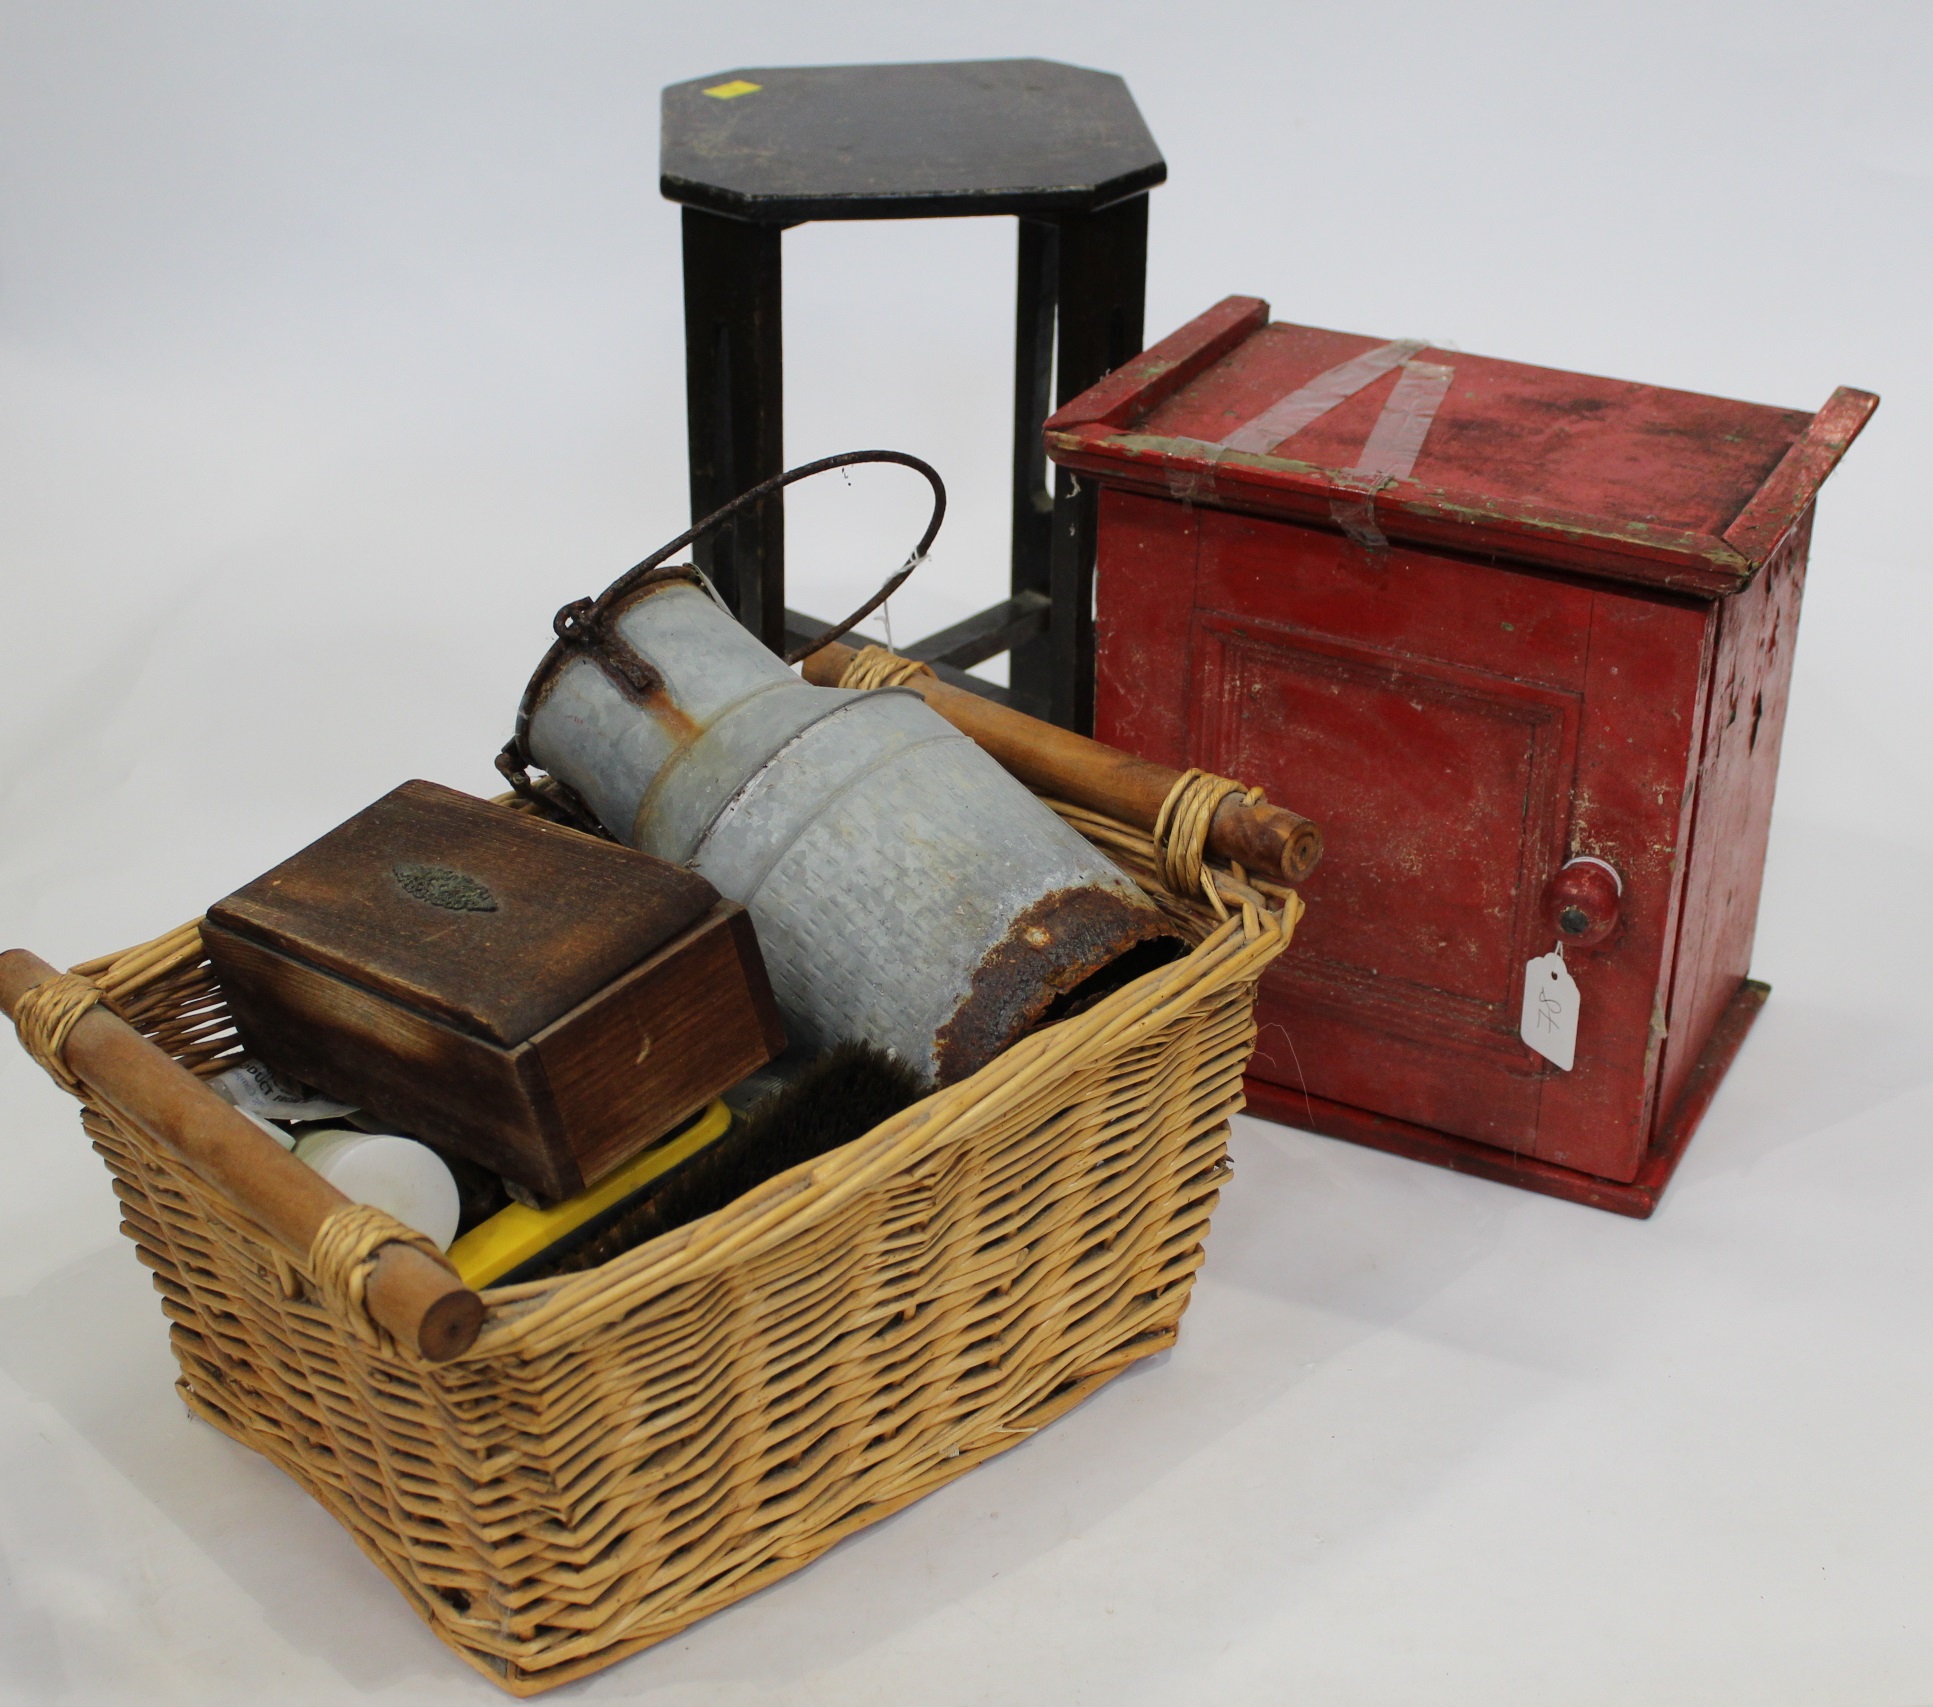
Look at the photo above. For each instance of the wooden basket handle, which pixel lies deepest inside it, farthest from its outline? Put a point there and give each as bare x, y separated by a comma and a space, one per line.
411, 1295
1270, 839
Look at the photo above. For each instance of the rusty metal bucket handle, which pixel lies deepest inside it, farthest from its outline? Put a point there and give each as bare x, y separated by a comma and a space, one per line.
579, 625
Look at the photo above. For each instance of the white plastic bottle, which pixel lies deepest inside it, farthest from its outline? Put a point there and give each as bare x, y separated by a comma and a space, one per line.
398, 1175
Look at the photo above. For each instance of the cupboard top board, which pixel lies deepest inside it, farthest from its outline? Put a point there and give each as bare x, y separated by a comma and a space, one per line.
1397, 440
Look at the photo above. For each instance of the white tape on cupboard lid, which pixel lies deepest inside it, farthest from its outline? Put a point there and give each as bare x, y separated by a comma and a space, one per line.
1307, 403
1397, 438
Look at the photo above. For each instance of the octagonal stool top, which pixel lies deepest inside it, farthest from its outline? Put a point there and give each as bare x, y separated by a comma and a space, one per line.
991, 136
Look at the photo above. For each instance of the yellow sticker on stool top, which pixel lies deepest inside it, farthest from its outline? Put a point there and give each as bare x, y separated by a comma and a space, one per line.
732, 90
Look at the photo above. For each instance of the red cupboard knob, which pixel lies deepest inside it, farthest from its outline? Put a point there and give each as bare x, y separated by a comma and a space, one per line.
1582, 903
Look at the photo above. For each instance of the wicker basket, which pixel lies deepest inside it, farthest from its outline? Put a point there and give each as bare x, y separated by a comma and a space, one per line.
625, 1450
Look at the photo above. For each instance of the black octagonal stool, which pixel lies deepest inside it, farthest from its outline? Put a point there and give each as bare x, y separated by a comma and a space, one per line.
751, 152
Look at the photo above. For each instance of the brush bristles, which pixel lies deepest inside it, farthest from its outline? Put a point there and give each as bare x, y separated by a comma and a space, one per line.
841, 1096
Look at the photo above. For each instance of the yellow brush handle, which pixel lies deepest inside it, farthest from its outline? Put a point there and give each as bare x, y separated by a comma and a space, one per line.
511, 1237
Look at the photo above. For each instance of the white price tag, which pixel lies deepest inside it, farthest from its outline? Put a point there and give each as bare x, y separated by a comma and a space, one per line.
1550, 1008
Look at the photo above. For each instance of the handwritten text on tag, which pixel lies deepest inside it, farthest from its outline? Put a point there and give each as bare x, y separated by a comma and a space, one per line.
1550, 1009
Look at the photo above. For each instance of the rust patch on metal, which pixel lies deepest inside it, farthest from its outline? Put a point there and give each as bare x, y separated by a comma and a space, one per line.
627, 593
602, 645
630, 674
1068, 949
640, 684
634, 678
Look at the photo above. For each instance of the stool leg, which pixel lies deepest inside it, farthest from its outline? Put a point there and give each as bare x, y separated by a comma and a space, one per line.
1103, 288
1030, 665
735, 409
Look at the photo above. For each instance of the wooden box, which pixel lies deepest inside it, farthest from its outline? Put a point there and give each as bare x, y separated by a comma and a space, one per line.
1485, 622
531, 997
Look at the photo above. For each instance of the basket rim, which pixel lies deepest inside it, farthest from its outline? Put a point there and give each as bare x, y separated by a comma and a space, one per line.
1234, 943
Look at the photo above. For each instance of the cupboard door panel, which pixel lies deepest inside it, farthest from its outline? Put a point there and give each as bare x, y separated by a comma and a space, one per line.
1450, 793
1442, 793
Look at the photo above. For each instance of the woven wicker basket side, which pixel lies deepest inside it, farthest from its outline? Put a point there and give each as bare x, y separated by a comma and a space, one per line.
626, 1450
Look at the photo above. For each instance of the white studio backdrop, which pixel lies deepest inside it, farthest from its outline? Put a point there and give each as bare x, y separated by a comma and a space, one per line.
340, 343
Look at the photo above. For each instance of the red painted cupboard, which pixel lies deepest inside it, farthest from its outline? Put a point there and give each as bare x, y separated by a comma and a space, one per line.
1520, 641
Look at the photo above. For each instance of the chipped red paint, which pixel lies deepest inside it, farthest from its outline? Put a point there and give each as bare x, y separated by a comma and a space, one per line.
1569, 634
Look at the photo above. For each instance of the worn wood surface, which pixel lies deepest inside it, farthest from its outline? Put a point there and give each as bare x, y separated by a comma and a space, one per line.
1461, 734
1152, 377
791, 143
413, 1070
553, 1112
529, 919
1753, 646
538, 1000
1786, 498
1636, 1197
657, 1044
1564, 637
1634, 482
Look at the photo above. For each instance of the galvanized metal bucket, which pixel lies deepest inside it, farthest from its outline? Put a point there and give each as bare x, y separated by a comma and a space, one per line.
906, 890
